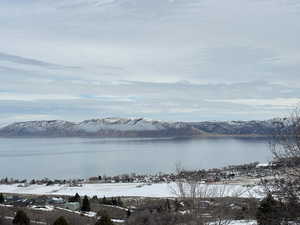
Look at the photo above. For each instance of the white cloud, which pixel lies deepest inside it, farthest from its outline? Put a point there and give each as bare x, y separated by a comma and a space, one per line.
34, 97
129, 56
277, 102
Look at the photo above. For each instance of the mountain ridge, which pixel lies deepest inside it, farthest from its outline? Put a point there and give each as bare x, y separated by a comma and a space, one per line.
135, 127
107, 127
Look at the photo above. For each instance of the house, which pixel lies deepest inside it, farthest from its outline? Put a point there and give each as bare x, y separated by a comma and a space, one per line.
56, 200
204, 204
74, 206
17, 201
93, 180
41, 200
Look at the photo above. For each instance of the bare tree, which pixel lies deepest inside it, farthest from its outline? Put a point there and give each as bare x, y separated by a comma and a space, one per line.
196, 195
285, 148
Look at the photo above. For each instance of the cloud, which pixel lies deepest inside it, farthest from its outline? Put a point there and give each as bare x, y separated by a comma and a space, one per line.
29, 61
284, 103
129, 58
168, 101
6, 96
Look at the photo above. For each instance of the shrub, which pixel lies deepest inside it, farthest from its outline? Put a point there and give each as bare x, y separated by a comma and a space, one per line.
60, 221
85, 204
104, 220
1, 198
21, 218
269, 212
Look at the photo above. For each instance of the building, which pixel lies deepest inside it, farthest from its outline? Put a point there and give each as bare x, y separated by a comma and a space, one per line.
74, 206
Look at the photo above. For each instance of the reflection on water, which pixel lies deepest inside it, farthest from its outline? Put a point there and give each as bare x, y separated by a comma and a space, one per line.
84, 157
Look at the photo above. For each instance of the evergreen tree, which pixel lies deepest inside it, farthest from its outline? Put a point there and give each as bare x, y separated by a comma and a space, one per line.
104, 220
176, 204
128, 212
21, 218
60, 221
292, 209
119, 202
1, 198
75, 198
104, 200
32, 181
160, 209
113, 201
85, 204
167, 205
269, 212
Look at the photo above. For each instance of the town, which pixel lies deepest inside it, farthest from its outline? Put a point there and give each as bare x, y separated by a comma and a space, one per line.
120, 206
233, 172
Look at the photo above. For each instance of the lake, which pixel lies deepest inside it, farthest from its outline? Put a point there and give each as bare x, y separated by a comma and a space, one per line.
85, 157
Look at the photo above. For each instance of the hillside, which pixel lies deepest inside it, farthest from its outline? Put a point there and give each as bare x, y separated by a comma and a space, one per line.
108, 127
138, 127
253, 127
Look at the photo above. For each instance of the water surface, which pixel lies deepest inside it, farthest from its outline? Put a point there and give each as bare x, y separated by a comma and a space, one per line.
85, 157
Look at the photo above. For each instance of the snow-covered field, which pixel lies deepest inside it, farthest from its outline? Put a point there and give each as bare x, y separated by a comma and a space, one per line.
243, 222
128, 190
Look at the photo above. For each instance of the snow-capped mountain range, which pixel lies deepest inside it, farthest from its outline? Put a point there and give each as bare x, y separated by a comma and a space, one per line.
135, 127
253, 127
108, 127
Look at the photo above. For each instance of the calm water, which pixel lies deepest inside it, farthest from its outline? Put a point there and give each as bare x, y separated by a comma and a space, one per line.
82, 157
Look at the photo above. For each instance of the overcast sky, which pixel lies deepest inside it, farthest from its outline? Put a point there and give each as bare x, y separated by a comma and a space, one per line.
188, 60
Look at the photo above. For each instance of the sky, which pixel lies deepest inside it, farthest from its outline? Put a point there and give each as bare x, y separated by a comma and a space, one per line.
175, 60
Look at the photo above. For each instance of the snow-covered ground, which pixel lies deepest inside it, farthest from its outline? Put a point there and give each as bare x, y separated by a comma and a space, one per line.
243, 222
128, 190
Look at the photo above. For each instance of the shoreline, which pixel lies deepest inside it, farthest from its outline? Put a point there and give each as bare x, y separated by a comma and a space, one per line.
144, 137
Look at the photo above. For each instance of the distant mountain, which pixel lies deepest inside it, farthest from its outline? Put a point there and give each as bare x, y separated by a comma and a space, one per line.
121, 127
254, 127
108, 127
